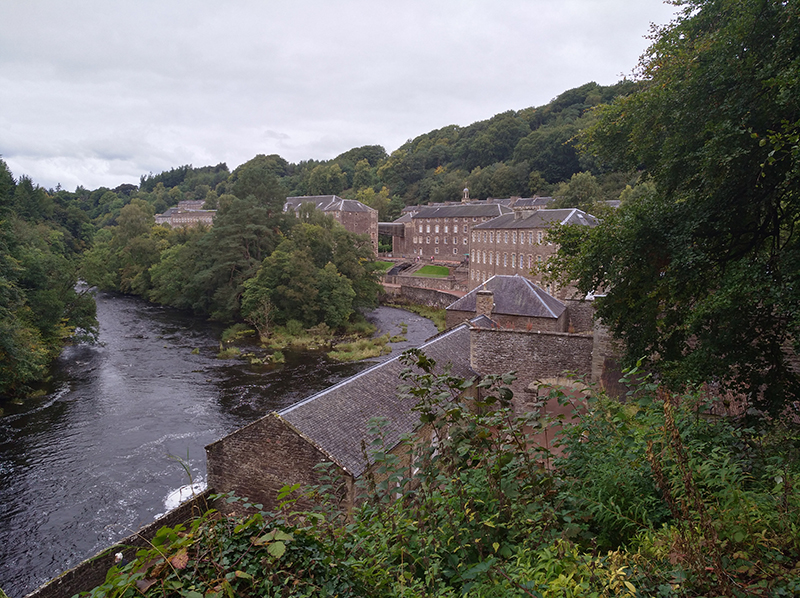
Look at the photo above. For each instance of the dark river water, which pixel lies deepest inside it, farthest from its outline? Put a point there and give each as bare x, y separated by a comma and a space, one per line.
99, 455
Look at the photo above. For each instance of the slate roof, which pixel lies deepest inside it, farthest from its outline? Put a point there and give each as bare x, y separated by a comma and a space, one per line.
532, 202
513, 296
483, 322
540, 219
462, 211
336, 420
326, 203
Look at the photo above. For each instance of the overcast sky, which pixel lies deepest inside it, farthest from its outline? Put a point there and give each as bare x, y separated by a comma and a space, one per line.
99, 92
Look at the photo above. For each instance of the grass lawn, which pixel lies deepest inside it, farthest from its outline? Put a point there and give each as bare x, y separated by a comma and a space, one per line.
433, 271
383, 266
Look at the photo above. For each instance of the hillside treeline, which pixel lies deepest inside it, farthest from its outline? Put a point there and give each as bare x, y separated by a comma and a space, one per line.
41, 238
523, 153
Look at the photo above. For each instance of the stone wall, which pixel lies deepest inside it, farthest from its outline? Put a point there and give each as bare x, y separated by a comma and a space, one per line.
606, 369
429, 297
523, 323
424, 282
258, 460
533, 355
581, 315
92, 572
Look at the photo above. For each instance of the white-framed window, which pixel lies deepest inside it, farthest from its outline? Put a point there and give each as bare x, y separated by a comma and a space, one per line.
455, 250
455, 240
428, 240
473, 236
446, 229
530, 237
436, 227
491, 257
539, 237
505, 237
514, 237
513, 260
420, 229
436, 250
455, 228
466, 241
474, 219
484, 257
530, 261
491, 237
505, 260
436, 240
444, 239
538, 259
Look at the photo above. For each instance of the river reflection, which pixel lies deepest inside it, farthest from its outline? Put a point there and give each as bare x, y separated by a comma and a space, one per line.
95, 458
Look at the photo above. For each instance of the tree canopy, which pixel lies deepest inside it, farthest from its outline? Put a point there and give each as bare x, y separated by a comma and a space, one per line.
701, 275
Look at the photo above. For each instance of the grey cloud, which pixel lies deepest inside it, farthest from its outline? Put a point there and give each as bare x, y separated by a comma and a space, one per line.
96, 93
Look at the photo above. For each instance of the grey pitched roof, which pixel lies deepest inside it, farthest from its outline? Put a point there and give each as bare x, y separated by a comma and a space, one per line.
540, 219
483, 322
404, 218
532, 202
462, 211
336, 420
513, 296
326, 203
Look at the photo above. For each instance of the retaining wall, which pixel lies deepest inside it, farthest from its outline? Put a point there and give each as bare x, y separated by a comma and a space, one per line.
92, 572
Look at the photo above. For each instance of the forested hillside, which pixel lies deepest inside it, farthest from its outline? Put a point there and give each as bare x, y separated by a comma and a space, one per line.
41, 237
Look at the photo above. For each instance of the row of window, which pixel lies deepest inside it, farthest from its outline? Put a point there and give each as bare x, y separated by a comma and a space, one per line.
491, 258
474, 219
445, 240
436, 228
436, 250
489, 236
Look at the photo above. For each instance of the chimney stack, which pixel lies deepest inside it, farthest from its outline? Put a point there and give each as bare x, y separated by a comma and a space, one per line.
484, 303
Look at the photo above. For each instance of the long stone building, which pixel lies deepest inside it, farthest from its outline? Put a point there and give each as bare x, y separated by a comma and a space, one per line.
442, 231
516, 242
351, 214
187, 213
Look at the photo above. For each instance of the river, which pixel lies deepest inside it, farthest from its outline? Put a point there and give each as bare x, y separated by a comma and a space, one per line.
122, 421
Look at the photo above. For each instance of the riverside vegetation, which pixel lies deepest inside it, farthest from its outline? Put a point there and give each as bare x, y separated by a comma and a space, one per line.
653, 497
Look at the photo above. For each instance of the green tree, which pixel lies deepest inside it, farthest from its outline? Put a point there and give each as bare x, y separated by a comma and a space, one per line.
379, 201
582, 191
364, 175
335, 298
327, 180
259, 178
702, 275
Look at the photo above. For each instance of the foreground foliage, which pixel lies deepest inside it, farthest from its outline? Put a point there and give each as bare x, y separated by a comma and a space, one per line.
655, 497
